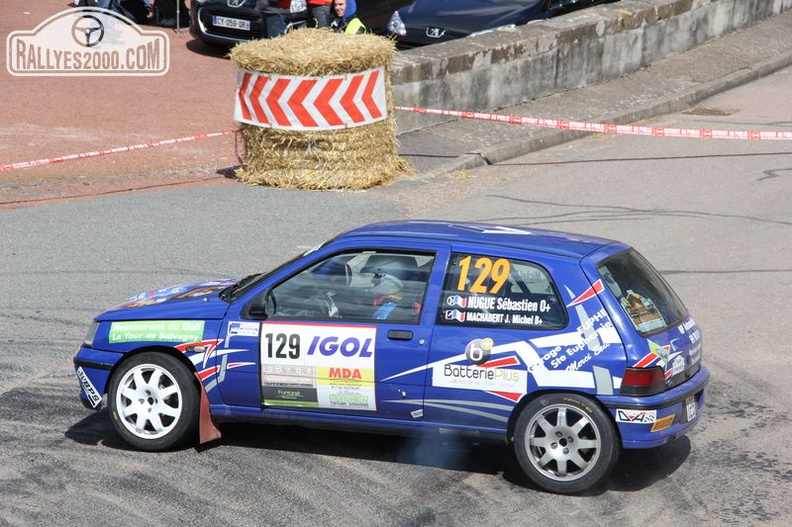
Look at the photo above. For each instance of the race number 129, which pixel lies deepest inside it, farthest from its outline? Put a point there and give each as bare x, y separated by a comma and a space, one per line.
498, 271
282, 346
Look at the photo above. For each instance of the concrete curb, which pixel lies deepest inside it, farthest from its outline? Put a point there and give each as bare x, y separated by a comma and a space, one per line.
670, 104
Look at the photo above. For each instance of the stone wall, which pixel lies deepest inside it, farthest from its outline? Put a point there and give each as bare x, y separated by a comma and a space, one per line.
594, 45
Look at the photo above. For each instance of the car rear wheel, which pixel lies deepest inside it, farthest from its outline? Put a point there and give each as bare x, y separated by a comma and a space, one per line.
154, 402
565, 443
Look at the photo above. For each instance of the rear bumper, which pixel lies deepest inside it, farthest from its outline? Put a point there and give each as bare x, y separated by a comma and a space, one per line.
648, 422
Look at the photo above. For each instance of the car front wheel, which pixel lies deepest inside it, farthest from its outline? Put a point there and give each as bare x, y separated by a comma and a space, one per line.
565, 443
154, 401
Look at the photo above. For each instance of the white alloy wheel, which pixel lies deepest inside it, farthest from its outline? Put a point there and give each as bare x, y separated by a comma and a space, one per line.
153, 401
149, 402
565, 443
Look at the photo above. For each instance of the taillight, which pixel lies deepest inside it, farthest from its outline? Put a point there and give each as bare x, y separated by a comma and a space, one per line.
643, 381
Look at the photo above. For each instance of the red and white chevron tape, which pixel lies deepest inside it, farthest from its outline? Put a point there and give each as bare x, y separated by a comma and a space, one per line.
311, 103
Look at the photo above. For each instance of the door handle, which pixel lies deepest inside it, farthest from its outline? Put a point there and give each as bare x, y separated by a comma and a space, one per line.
397, 334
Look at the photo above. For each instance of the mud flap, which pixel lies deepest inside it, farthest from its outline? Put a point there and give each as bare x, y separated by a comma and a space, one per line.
207, 431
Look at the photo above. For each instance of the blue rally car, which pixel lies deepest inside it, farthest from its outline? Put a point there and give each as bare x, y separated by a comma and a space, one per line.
568, 347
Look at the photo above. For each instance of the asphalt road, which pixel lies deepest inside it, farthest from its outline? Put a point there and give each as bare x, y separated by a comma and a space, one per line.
713, 216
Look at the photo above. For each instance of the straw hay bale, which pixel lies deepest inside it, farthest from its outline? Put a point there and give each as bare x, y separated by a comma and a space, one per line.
351, 158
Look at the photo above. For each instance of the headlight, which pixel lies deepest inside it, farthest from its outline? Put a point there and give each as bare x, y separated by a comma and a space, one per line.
88, 341
396, 25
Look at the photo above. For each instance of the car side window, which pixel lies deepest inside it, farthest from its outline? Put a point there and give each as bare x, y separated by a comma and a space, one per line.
499, 292
365, 285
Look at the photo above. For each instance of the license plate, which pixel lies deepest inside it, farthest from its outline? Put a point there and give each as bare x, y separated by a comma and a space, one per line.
231, 23
690, 404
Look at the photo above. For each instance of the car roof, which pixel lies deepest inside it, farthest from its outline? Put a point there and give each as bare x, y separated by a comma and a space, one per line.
539, 240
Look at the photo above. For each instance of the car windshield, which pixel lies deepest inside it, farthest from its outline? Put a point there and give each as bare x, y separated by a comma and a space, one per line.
233, 292
642, 293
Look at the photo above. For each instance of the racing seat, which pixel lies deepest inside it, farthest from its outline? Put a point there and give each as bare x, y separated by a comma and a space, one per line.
397, 286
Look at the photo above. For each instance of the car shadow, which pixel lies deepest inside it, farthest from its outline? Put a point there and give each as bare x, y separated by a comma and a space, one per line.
95, 430
635, 471
446, 452
202, 48
640, 469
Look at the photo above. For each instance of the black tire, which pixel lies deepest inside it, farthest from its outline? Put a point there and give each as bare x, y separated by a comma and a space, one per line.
565, 443
154, 401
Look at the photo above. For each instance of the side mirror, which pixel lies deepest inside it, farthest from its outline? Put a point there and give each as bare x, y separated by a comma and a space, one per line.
270, 306
259, 307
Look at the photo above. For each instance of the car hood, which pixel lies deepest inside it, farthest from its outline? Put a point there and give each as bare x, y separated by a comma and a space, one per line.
197, 300
469, 16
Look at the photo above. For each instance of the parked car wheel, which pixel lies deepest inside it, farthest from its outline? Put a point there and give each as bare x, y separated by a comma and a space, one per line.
154, 402
565, 443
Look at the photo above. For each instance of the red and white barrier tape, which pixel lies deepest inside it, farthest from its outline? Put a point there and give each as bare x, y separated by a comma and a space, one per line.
560, 124
116, 150
605, 128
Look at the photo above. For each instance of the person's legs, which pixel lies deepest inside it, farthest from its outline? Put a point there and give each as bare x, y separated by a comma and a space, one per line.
276, 25
321, 15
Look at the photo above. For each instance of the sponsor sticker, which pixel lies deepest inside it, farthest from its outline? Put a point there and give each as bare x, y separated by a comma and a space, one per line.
695, 354
319, 366
478, 351
678, 365
243, 329
687, 325
663, 423
156, 331
159, 293
636, 416
94, 397
480, 378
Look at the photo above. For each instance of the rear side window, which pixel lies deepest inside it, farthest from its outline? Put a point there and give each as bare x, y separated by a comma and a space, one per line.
642, 293
498, 292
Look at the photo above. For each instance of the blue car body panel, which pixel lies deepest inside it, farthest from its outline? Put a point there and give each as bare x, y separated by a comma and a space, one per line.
449, 369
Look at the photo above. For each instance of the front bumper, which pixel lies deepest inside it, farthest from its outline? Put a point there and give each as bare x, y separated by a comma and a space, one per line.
648, 422
93, 369
203, 27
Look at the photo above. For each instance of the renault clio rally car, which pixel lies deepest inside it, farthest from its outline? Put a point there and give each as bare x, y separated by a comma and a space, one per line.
568, 347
